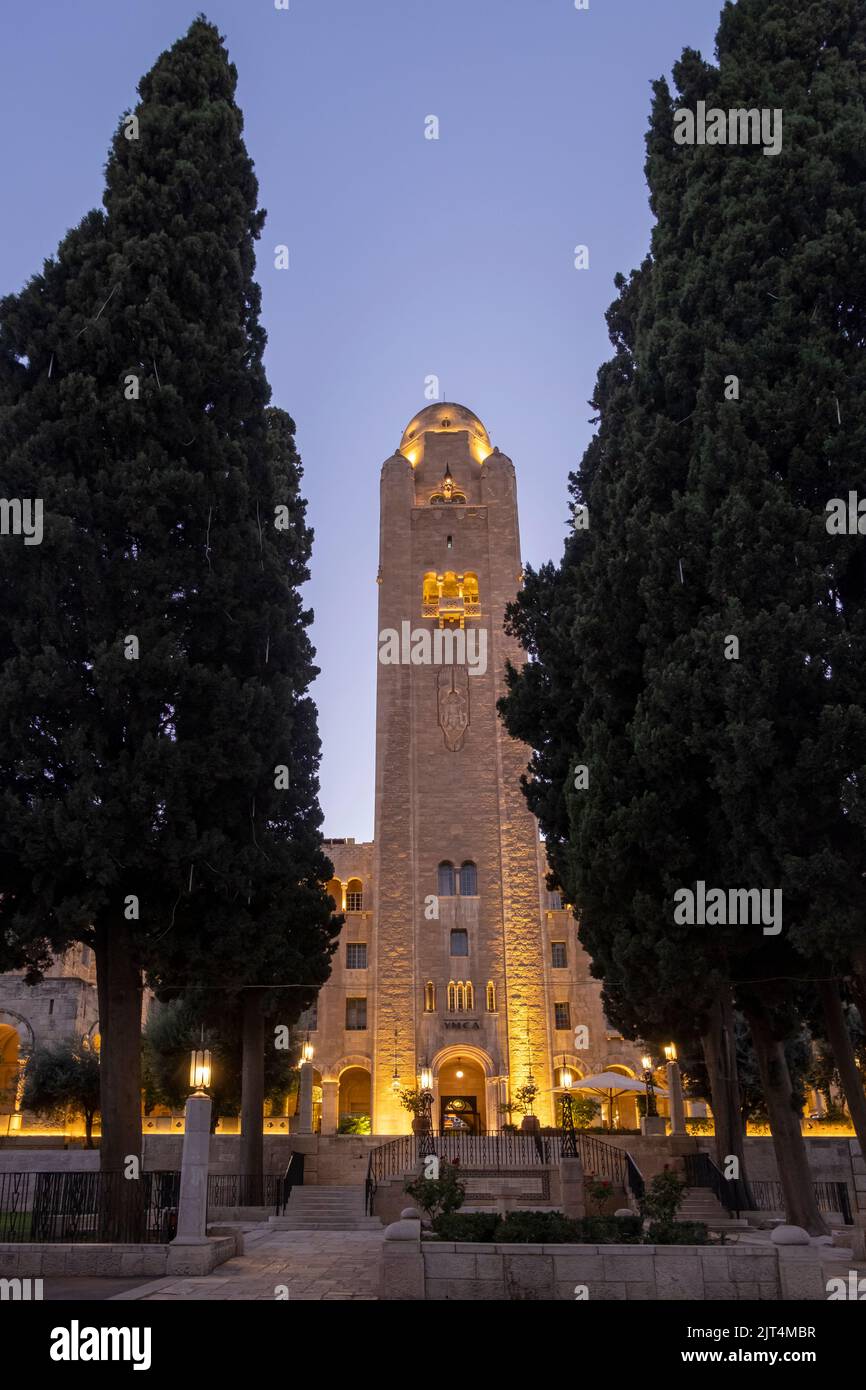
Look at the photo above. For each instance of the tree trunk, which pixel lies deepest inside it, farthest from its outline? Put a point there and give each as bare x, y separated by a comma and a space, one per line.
119, 992
720, 1054
843, 1055
252, 1095
88, 1129
798, 1186
858, 981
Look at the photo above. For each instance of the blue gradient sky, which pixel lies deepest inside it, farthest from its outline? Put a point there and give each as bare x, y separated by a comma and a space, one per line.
408, 257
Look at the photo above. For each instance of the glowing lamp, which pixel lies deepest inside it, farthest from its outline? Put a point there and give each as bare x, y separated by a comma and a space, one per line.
307, 1052
670, 1052
199, 1069
426, 1079
565, 1078
647, 1063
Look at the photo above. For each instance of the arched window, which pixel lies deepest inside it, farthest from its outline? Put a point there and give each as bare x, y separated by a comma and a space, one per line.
470, 997
472, 605
354, 896
429, 997
446, 880
491, 997
452, 997
335, 888
430, 595
468, 879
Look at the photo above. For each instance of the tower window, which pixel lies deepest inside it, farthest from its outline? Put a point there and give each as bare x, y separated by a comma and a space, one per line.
461, 997
449, 543
354, 896
356, 1015
446, 880
356, 955
468, 879
559, 955
429, 998
491, 997
562, 1016
459, 942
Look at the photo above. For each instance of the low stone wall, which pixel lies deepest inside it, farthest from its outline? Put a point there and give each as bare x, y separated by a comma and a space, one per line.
154, 1261
441, 1270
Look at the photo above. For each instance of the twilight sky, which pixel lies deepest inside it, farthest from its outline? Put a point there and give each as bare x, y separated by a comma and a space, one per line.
409, 257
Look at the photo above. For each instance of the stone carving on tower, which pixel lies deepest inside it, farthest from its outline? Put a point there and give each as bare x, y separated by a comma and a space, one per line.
453, 705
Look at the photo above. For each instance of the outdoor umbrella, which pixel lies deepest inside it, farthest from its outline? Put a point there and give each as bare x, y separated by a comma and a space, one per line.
609, 1084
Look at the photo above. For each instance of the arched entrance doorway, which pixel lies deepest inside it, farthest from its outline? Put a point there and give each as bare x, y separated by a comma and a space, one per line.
10, 1068
354, 1103
462, 1096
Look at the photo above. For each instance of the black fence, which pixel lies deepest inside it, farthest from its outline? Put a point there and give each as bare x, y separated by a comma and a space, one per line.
243, 1190
77, 1208
831, 1197
498, 1152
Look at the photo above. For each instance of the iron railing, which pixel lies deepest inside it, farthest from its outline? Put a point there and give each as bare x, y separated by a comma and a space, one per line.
497, 1151
244, 1190
831, 1197
733, 1193
293, 1177
76, 1208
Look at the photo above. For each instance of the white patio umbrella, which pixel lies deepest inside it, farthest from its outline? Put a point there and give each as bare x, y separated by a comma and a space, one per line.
608, 1084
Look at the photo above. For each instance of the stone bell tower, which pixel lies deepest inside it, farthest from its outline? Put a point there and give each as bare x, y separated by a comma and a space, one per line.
459, 952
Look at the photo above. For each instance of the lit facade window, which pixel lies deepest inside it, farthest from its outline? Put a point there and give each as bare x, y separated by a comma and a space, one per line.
429, 997
354, 895
446, 880
468, 879
356, 1015
309, 1020
461, 997
562, 1016
491, 997
356, 955
559, 955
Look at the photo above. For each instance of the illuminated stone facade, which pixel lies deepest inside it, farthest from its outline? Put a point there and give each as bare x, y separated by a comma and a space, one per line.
454, 954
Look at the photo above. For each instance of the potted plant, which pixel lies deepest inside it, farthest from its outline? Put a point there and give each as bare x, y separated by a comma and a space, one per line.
524, 1099
415, 1102
507, 1108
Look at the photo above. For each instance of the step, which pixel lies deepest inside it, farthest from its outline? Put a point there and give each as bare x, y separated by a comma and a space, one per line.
301, 1223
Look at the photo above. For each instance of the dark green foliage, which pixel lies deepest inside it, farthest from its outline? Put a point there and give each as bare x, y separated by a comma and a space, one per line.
440, 1196
174, 1029
61, 1081
707, 518
477, 1226
663, 1197
154, 778
676, 1233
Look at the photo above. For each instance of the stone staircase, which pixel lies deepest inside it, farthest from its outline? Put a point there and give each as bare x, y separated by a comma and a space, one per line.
326, 1208
702, 1204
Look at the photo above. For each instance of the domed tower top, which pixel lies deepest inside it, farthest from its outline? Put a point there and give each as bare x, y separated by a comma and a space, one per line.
445, 417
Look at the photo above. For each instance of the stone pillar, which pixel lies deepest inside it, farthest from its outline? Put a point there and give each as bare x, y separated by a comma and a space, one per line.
401, 1273
305, 1098
571, 1181
330, 1105
192, 1206
675, 1095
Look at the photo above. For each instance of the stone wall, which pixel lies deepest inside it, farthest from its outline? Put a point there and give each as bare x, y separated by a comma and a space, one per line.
119, 1261
443, 1270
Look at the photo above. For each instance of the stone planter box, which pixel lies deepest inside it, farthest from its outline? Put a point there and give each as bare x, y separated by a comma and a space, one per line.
444, 1271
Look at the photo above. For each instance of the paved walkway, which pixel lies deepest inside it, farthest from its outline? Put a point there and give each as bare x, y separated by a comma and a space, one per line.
311, 1265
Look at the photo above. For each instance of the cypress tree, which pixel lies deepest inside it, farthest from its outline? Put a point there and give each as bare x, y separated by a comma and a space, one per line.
159, 783
739, 417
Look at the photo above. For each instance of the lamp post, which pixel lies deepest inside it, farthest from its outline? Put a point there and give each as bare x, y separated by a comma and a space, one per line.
569, 1137
425, 1080
305, 1088
192, 1201
675, 1091
647, 1064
